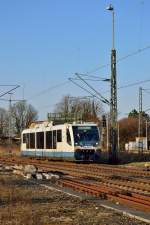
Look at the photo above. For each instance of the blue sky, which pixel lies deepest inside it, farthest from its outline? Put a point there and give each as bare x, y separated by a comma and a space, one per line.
43, 42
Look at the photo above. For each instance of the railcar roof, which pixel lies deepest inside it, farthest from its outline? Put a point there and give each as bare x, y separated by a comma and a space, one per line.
42, 127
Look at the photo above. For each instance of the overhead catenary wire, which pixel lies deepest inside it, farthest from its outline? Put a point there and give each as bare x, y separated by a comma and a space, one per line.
13, 100
90, 86
7, 92
95, 78
134, 84
89, 79
70, 79
140, 50
48, 90
88, 73
146, 90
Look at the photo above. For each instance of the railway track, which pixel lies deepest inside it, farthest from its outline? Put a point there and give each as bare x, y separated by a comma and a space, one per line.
130, 187
130, 199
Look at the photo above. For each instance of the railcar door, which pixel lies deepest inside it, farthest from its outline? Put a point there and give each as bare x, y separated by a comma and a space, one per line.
59, 150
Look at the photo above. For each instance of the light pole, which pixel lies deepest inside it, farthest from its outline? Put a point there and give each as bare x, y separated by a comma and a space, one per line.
113, 152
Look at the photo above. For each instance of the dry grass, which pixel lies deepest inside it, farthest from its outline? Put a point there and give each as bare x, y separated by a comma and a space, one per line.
6, 150
138, 164
24, 203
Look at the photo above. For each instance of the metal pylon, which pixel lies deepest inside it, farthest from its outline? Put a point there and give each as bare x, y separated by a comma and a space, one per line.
113, 153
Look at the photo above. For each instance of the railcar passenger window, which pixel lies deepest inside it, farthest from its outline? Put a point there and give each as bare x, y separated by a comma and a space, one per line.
32, 140
68, 137
59, 136
27, 141
54, 139
40, 140
49, 140
24, 138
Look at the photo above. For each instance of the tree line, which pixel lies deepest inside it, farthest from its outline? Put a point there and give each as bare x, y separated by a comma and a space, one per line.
23, 114
17, 118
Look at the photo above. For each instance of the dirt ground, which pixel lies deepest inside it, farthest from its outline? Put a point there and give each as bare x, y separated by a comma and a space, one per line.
24, 203
6, 149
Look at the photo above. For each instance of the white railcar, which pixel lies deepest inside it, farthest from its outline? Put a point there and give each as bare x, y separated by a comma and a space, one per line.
70, 141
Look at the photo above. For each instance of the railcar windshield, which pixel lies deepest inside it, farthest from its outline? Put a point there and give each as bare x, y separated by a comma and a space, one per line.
86, 135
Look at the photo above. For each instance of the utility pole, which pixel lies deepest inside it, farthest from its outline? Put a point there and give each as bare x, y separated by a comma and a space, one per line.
146, 131
140, 131
118, 136
10, 133
107, 121
113, 152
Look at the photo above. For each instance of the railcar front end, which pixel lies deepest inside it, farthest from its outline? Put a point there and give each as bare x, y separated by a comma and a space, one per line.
86, 142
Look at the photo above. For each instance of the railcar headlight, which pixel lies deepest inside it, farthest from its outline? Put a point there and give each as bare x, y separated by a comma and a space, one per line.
96, 144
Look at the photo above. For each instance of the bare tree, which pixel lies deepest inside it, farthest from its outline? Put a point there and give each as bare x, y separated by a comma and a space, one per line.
3, 122
23, 115
90, 110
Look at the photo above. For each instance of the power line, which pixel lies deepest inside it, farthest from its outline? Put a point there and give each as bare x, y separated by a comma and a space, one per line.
7, 92
134, 84
140, 50
94, 70
7, 85
48, 90
95, 78
90, 79
146, 90
90, 86
83, 88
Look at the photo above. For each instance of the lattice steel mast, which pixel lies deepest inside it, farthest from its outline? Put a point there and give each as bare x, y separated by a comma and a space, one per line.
113, 151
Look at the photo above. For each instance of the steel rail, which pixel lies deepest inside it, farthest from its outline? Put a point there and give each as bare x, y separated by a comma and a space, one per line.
103, 188
134, 201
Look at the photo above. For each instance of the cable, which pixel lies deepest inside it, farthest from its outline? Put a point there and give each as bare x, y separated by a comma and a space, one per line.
7, 85
70, 79
47, 90
134, 84
106, 101
2, 99
13, 100
120, 59
93, 76
7, 92
146, 90
90, 79
94, 70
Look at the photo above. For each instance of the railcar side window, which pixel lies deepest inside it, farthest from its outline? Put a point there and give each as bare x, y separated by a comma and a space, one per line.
27, 141
24, 138
40, 140
68, 137
54, 139
32, 140
49, 140
59, 136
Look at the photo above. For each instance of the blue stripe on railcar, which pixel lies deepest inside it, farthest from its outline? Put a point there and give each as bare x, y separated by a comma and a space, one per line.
40, 153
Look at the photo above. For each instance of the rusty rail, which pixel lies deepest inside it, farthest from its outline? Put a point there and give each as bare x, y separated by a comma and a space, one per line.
106, 183
132, 200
